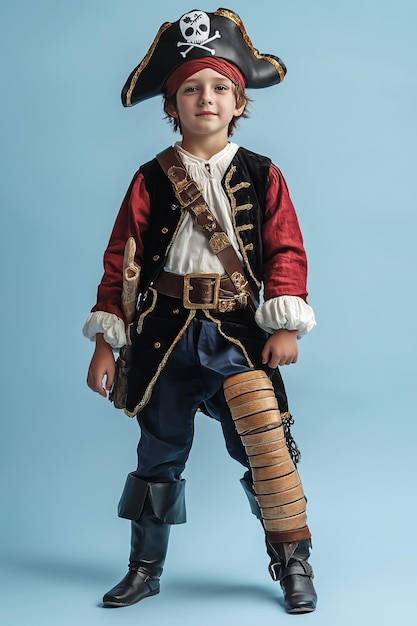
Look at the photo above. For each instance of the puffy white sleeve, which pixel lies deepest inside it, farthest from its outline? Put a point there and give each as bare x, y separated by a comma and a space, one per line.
109, 324
289, 312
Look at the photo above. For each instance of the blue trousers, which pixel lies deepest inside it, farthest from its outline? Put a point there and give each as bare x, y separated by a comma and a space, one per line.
193, 374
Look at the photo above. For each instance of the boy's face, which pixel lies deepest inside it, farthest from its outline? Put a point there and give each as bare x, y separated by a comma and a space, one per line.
206, 104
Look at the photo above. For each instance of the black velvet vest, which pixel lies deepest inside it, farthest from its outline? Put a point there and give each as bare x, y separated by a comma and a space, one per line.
161, 320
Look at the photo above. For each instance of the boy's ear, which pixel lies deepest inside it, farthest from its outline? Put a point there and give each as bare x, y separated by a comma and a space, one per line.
239, 110
171, 110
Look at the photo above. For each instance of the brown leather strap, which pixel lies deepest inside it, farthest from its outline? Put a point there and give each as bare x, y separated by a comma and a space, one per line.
190, 197
172, 285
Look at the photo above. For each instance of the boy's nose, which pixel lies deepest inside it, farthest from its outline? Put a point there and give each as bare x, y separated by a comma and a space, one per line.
205, 96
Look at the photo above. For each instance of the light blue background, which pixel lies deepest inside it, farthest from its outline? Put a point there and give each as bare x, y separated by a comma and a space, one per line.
342, 127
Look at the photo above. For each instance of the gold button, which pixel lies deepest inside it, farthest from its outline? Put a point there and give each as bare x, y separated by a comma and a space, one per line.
174, 206
157, 345
156, 257
176, 311
164, 230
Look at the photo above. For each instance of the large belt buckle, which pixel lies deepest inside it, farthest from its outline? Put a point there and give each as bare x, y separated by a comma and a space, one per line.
189, 287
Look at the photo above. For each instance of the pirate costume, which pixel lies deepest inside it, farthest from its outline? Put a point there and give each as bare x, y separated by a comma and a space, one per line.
199, 329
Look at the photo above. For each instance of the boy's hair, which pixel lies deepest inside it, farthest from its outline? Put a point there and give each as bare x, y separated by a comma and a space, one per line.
241, 98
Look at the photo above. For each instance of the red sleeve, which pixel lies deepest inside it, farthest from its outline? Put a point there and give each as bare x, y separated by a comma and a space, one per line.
285, 262
131, 221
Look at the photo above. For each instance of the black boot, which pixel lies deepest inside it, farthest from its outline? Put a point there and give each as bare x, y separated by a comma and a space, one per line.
295, 576
295, 573
135, 586
159, 505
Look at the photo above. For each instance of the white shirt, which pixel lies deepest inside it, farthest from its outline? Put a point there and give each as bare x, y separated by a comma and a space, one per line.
190, 251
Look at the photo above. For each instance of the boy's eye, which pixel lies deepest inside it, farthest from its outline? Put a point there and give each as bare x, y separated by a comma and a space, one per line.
195, 88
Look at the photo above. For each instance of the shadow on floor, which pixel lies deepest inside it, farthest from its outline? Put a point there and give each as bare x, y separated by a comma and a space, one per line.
64, 569
208, 588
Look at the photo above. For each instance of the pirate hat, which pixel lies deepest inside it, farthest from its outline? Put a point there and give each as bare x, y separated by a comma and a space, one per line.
197, 35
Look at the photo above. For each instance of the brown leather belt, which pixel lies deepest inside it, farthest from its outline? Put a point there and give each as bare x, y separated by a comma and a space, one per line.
200, 291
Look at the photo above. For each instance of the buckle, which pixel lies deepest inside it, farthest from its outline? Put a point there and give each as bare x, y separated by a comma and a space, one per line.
183, 186
188, 304
190, 191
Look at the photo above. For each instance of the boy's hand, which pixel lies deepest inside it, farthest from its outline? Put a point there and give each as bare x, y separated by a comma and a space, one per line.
281, 348
102, 366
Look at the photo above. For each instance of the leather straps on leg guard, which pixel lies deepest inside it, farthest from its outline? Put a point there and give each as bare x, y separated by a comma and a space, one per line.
167, 500
254, 408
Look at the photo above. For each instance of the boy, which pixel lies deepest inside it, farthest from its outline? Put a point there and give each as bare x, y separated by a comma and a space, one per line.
211, 223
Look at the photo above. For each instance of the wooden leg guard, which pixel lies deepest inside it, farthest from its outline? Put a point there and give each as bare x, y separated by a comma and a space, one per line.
254, 408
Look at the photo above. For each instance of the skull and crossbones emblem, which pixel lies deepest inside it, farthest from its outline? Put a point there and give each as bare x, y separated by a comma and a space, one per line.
195, 28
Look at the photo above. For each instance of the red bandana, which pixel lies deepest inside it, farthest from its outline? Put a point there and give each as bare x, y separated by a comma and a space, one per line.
187, 69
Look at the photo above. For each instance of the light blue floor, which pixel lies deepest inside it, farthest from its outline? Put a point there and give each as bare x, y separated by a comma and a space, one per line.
216, 570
